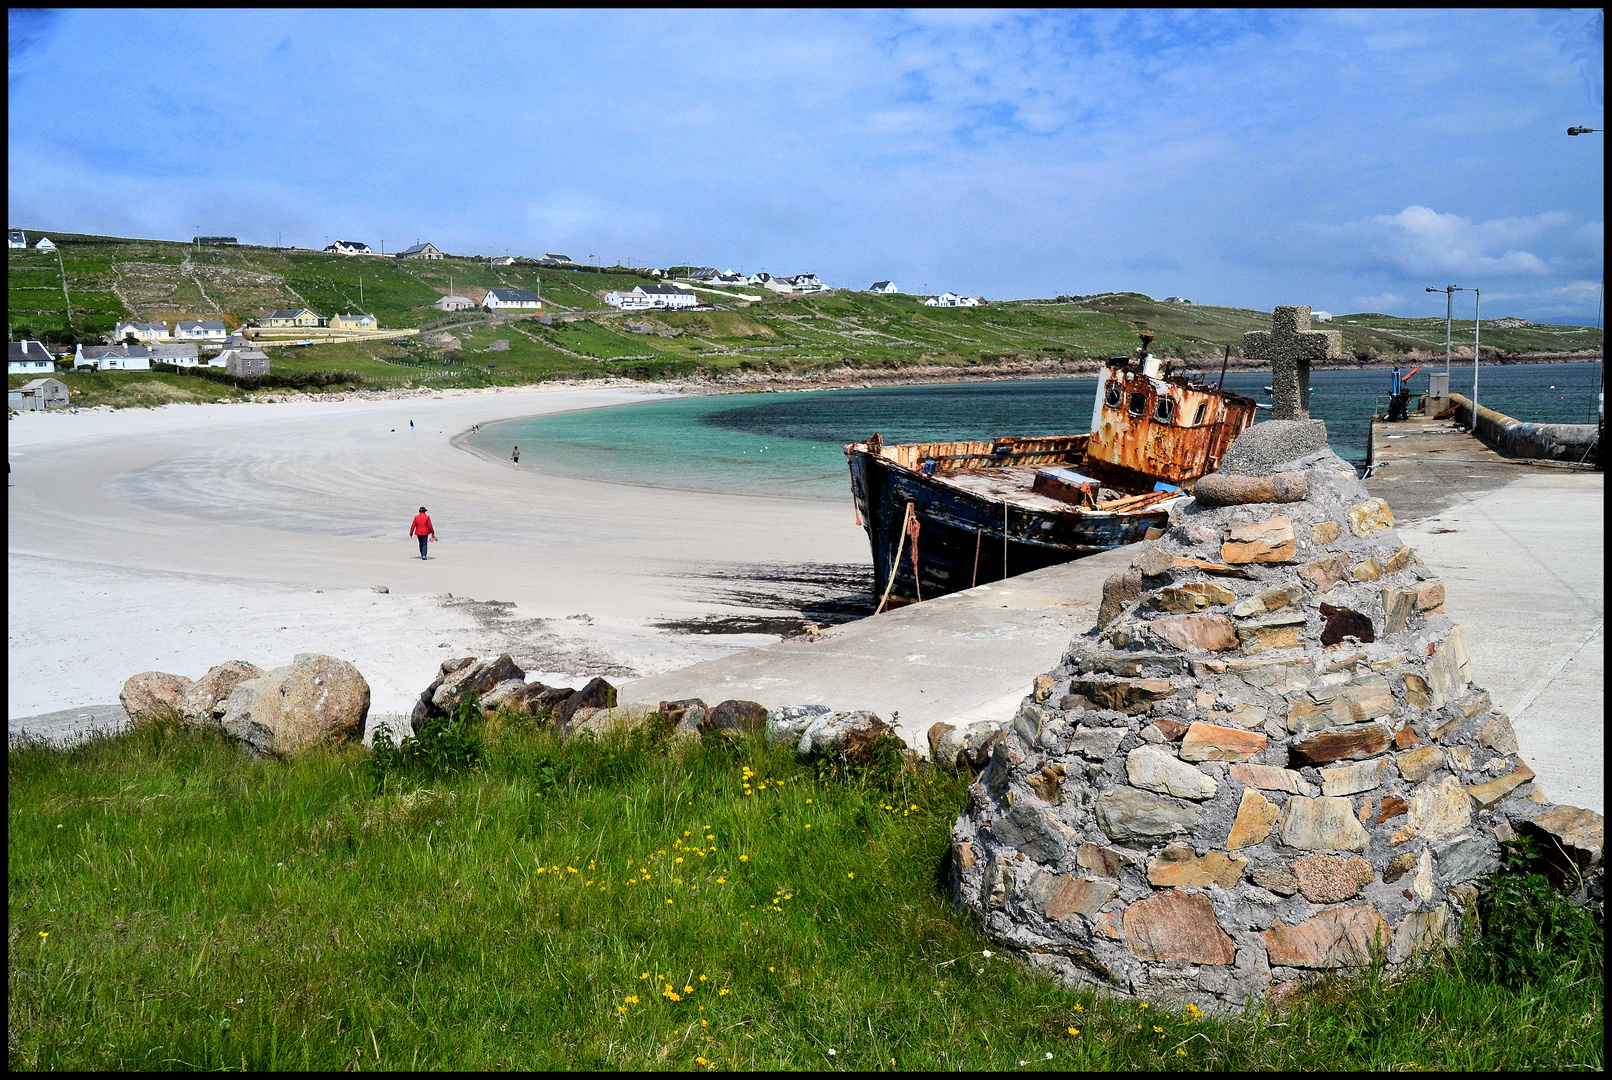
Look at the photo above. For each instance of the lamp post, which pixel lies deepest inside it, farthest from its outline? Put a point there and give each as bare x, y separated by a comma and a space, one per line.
1449, 292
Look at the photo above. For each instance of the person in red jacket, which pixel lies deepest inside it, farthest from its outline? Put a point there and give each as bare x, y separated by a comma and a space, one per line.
423, 528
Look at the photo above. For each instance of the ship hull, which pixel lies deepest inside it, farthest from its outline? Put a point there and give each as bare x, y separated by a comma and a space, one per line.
965, 539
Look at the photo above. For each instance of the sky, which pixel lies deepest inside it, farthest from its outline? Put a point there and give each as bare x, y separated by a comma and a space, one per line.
1343, 159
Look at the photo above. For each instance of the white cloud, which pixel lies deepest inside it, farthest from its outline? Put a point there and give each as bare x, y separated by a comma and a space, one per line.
1422, 240
1382, 302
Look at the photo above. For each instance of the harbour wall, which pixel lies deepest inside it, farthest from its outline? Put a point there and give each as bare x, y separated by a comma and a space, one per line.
1553, 442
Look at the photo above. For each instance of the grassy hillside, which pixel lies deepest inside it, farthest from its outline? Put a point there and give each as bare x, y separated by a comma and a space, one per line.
625, 905
83, 289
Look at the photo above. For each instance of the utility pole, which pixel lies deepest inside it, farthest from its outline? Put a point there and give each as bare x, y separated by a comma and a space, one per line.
1449, 292
1600, 307
1476, 313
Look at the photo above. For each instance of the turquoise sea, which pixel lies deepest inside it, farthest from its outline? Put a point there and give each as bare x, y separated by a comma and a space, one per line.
790, 444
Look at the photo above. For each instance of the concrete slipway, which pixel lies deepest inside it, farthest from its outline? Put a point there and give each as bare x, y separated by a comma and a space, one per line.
1520, 549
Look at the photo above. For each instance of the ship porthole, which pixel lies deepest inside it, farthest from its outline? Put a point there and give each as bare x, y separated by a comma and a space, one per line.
1198, 416
1164, 410
1138, 403
1112, 396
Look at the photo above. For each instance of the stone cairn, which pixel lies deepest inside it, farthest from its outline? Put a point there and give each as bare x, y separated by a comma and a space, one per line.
1266, 761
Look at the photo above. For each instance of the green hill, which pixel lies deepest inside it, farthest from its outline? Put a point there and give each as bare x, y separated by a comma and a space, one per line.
90, 283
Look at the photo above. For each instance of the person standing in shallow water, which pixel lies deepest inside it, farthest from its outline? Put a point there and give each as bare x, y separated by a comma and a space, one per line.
423, 528
515, 455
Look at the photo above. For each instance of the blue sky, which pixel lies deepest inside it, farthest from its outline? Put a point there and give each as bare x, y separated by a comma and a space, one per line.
1341, 159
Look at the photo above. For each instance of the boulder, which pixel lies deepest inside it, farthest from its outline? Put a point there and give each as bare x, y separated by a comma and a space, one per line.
1268, 541
847, 733
203, 702
786, 724
423, 707
480, 677
1226, 489
152, 695
1118, 590
534, 698
316, 700
735, 715
597, 694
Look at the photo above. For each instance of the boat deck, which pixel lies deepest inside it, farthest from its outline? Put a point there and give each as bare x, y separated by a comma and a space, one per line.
1010, 484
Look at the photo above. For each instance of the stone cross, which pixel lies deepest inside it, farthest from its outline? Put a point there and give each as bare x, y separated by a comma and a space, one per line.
1289, 346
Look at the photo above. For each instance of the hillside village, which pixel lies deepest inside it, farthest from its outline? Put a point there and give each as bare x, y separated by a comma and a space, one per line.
129, 321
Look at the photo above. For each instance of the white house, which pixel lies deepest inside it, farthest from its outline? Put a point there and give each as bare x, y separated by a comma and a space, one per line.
653, 296
348, 247
500, 299
884, 287
38, 394
1176, 300
354, 322
454, 303
28, 358
806, 282
949, 299
44, 244
177, 355
420, 251
194, 330
17, 239
506, 260
293, 318
141, 331
113, 357
1320, 316
551, 259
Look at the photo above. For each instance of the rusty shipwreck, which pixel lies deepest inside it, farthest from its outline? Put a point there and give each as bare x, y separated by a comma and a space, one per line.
946, 516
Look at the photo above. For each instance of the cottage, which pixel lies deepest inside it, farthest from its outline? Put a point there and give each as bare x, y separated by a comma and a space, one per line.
500, 299
551, 259
38, 394
290, 319
193, 330
1320, 316
1176, 300
454, 303
777, 285
420, 251
806, 282
17, 239
44, 244
28, 358
177, 355
348, 247
653, 296
354, 322
884, 287
112, 357
140, 331
506, 260
245, 361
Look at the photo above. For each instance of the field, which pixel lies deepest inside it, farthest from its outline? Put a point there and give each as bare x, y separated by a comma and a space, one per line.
622, 904
81, 291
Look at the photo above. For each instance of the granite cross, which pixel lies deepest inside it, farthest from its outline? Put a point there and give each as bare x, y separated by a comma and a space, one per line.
1289, 346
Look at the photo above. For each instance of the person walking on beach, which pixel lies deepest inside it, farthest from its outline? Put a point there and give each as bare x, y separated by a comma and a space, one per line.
423, 528
515, 455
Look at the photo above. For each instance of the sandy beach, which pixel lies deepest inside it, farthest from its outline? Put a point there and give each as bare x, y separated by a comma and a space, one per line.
180, 537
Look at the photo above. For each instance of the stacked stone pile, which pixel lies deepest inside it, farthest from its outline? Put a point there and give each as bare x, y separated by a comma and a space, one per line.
1267, 760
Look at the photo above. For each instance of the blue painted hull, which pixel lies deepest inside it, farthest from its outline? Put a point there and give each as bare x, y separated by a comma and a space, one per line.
963, 539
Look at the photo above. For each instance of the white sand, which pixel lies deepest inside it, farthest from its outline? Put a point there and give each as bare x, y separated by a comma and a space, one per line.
177, 538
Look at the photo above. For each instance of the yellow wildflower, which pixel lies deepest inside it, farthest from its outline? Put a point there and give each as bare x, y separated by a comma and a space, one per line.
678, 859
722, 992
1074, 1031
1180, 1053
850, 875
808, 826
688, 989
572, 869
702, 978
744, 858
1157, 1028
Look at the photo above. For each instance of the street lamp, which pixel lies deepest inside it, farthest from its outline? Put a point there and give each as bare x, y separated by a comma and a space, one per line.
1600, 422
1585, 131
1449, 292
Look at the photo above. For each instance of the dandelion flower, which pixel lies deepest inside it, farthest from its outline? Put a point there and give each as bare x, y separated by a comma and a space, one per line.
808, 826
915, 806
744, 858
808, 803
668, 899
679, 858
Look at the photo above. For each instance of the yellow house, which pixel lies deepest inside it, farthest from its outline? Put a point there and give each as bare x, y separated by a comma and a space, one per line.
301, 317
354, 322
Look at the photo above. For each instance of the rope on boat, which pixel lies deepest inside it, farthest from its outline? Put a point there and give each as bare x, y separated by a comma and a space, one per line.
975, 580
895, 564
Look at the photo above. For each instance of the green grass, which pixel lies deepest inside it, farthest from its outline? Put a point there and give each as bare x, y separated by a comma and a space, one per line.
109, 279
173, 904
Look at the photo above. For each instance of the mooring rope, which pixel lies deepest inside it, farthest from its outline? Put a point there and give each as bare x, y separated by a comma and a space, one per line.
895, 563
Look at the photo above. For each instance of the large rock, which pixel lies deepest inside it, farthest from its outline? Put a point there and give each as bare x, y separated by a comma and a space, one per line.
479, 678
1178, 865
1118, 590
1268, 541
1213, 633
1225, 489
317, 700
153, 695
204, 701
1322, 824
735, 715
1337, 937
595, 694
1153, 769
1126, 813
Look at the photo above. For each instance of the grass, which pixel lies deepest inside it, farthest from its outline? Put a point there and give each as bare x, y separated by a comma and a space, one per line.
616, 904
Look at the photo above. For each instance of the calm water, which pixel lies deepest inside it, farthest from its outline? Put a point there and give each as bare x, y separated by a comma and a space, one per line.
791, 444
